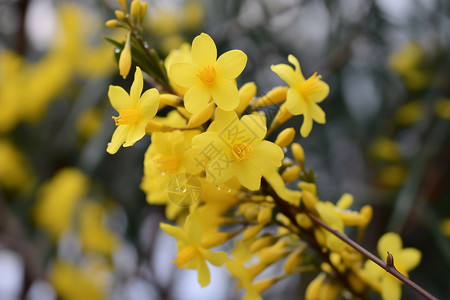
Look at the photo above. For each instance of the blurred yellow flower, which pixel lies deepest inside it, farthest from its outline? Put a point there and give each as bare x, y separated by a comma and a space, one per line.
56, 200
190, 253
303, 95
405, 259
208, 77
134, 112
15, 173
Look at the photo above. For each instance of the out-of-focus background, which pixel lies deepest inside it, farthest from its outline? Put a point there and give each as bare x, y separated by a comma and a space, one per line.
74, 223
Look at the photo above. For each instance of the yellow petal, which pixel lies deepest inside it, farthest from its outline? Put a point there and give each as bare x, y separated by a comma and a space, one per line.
317, 113
307, 125
391, 288
286, 73
203, 272
118, 138
216, 258
256, 125
409, 258
174, 231
184, 74
204, 51
323, 92
136, 87
119, 98
148, 104
298, 71
295, 102
225, 94
249, 176
224, 119
196, 98
267, 155
231, 64
391, 242
193, 230
135, 133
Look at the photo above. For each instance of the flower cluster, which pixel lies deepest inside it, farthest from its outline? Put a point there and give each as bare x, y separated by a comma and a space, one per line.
223, 176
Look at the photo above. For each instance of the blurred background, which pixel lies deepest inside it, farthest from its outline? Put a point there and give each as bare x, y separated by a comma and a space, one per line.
74, 223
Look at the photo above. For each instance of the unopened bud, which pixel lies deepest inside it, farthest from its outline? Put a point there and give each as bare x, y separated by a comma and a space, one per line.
120, 15
144, 6
169, 99
293, 261
251, 232
345, 201
246, 94
291, 174
113, 24
125, 58
299, 154
274, 96
135, 10
265, 215
303, 221
285, 137
201, 117
309, 200
262, 242
154, 126
282, 116
123, 5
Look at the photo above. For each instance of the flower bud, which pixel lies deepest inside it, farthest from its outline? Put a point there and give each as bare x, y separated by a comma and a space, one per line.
113, 24
291, 174
265, 215
314, 287
201, 117
299, 154
120, 15
282, 116
274, 96
303, 221
293, 261
144, 6
309, 200
262, 242
135, 10
252, 231
285, 137
246, 94
125, 58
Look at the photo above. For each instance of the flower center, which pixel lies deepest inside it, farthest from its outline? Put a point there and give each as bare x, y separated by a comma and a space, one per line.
185, 256
127, 116
241, 151
167, 163
310, 86
207, 75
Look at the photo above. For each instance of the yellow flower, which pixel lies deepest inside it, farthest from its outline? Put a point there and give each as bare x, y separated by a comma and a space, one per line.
57, 198
405, 259
134, 112
233, 147
303, 95
190, 252
206, 78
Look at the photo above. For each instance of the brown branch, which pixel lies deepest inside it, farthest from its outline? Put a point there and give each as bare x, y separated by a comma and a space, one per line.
388, 267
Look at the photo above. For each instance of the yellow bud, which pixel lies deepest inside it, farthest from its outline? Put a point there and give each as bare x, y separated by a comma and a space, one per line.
330, 291
309, 200
264, 284
135, 9
336, 260
246, 94
169, 99
251, 213
265, 215
306, 186
352, 218
291, 174
314, 287
243, 207
303, 221
123, 5
345, 201
285, 137
184, 112
144, 6
299, 154
201, 117
272, 254
153, 126
252, 231
274, 96
293, 261
125, 58
367, 212
282, 116
214, 239
262, 242
113, 24
320, 237
120, 15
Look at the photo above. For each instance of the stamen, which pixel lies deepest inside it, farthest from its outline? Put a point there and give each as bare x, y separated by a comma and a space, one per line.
207, 75
310, 86
241, 151
167, 163
127, 116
